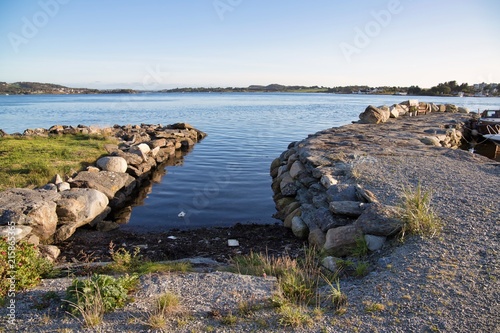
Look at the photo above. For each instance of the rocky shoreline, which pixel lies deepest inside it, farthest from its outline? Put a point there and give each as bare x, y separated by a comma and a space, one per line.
100, 195
448, 283
316, 182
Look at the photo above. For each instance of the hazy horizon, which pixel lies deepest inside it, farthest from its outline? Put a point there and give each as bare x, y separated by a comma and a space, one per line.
162, 44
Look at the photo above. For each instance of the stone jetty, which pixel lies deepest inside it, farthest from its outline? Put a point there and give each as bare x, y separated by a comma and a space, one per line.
316, 181
52, 213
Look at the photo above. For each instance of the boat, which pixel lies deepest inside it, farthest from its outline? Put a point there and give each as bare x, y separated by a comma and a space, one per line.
489, 122
495, 138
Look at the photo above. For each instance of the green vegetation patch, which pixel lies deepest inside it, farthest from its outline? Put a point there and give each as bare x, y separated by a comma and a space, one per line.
21, 266
33, 161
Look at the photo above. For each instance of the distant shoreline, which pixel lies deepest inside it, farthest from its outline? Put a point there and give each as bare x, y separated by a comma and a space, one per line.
464, 90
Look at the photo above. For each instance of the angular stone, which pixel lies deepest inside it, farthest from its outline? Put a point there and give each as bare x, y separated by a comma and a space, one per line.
18, 232
130, 158
64, 186
327, 181
347, 208
299, 228
342, 240
365, 195
288, 219
34, 208
380, 220
374, 243
49, 252
297, 169
330, 263
106, 182
316, 238
373, 115
287, 185
341, 192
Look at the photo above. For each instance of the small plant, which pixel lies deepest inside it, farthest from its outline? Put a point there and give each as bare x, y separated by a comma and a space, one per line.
123, 260
229, 319
87, 295
292, 315
418, 216
44, 301
361, 249
373, 307
338, 298
167, 304
21, 263
361, 269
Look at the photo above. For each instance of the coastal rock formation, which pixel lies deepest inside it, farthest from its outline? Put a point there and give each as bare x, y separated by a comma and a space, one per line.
53, 213
316, 182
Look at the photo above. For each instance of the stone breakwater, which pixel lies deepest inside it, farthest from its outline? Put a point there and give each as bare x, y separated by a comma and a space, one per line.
318, 182
52, 213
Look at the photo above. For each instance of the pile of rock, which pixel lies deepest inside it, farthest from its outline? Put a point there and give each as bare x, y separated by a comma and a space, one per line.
52, 213
412, 107
331, 215
314, 183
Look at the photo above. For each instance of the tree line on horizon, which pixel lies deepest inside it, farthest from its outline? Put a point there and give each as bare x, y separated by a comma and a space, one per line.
450, 88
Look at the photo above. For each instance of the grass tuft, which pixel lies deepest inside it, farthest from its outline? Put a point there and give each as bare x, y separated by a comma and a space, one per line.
418, 216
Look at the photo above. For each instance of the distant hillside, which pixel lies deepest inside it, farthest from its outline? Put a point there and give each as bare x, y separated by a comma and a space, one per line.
451, 88
28, 88
32, 88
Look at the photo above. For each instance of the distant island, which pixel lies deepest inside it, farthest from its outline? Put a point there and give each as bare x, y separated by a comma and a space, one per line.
451, 88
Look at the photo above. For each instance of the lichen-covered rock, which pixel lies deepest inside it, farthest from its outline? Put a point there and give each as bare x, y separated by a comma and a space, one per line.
106, 182
34, 208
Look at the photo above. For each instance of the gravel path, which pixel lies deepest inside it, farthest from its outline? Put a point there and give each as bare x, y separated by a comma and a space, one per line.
449, 283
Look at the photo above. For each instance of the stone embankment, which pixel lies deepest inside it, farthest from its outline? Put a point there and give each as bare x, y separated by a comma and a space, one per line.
316, 182
51, 214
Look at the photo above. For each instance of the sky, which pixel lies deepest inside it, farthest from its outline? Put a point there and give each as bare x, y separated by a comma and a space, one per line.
158, 44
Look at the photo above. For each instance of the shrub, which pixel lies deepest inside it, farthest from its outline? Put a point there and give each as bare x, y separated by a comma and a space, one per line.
84, 295
25, 265
418, 216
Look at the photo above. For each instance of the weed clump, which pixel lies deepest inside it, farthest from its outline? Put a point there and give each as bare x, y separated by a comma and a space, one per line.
22, 264
417, 214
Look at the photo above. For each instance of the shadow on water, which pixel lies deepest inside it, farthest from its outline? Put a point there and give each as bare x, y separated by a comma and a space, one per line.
122, 214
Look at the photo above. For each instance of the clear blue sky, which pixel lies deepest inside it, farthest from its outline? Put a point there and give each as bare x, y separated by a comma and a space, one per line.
165, 43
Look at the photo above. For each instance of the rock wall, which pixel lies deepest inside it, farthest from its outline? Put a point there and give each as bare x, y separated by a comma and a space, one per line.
315, 183
52, 213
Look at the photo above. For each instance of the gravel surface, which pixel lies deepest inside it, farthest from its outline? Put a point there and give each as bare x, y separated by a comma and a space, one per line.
449, 283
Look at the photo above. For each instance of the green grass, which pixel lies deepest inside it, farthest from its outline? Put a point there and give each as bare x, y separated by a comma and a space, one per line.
33, 161
299, 281
126, 262
417, 214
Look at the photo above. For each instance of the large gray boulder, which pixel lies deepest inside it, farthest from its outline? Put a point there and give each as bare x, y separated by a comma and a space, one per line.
380, 220
112, 163
106, 182
374, 115
321, 218
80, 206
33, 208
342, 240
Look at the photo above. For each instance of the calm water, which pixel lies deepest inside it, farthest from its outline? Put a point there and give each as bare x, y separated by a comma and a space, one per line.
225, 179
